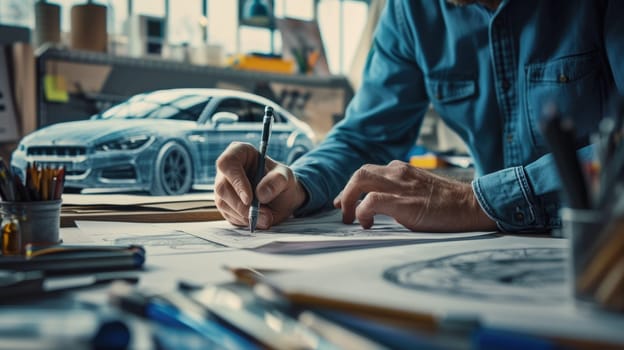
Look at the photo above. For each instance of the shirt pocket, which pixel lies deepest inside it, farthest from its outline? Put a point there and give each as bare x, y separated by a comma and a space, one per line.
447, 90
453, 98
573, 83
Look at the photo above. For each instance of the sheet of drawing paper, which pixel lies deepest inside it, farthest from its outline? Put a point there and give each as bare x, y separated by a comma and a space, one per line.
157, 239
513, 281
325, 230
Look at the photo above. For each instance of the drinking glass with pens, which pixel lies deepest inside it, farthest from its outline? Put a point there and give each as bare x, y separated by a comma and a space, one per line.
30, 208
593, 219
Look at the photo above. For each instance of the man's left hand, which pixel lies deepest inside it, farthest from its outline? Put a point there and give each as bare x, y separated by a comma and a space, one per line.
415, 198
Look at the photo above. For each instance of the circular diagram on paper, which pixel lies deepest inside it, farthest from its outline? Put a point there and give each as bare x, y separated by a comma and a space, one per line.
531, 274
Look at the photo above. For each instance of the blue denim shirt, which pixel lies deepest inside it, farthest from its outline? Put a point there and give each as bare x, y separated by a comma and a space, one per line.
488, 74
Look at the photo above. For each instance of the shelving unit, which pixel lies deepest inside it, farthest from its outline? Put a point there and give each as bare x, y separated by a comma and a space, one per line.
94, 81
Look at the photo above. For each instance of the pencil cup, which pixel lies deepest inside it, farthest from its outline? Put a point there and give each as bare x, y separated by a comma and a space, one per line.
594, 252
39, 221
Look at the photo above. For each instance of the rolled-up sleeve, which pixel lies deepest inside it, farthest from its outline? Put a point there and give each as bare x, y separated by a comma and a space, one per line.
524, 198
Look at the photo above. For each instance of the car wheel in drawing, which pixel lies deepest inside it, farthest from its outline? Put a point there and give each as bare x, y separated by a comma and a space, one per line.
173, 173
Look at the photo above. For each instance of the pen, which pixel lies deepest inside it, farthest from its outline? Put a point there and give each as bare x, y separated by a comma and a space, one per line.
264, 143
559, 134
19, 284
176, 310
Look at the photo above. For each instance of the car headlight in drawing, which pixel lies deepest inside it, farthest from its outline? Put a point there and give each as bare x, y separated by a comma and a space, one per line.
123, 144
164, 142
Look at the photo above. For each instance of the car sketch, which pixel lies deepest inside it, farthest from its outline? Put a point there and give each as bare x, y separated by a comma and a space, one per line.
164, 142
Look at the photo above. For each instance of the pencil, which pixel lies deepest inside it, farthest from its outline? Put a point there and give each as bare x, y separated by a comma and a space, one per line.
560, 136
45, 184
60, 175
611, 289
608, 251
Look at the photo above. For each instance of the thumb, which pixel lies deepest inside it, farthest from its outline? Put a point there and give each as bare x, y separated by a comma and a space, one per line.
273, 183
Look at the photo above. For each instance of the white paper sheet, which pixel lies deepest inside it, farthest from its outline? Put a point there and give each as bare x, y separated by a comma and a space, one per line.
324, 231
511, 282
157, 239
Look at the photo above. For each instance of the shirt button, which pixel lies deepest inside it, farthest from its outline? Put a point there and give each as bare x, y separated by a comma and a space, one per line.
563, 78
519, 216
506, 85
509, 138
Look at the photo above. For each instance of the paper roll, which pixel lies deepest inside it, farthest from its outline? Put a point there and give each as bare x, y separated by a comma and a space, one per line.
88, 28
47, 23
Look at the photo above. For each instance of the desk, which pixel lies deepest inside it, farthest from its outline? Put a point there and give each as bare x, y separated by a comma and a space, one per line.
203, 264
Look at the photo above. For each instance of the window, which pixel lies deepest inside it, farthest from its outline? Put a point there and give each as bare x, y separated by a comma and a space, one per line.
17, 12
186, 23
341, 23
154, 8
300, 9
247, 111
233, 105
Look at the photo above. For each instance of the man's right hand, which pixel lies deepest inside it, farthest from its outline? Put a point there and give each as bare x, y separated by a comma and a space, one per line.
279, 192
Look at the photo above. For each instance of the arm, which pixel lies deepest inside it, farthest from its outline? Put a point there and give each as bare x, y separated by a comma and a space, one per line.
382, 120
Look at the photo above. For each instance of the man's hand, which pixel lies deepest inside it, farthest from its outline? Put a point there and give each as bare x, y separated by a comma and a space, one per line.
415, 198
278, 190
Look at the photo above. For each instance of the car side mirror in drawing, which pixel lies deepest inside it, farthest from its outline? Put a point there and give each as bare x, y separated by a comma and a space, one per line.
224, 118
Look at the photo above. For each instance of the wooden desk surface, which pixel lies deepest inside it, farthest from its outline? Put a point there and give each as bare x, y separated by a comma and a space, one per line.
68, 219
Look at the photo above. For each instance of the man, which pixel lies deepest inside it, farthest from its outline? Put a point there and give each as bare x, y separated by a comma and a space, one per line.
488, 67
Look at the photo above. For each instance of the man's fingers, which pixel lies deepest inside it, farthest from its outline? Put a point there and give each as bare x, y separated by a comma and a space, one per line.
232, 216
338, 201
273, 184
378, 203
265, 218
225, 196
369, 178
232, 165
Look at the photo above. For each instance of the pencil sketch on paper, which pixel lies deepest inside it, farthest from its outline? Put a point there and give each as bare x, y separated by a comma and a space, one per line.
324, 224
323, 230
174, 240
529, 274
319, 230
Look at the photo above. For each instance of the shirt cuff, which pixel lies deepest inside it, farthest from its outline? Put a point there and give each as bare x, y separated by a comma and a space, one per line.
315, 202
507, 198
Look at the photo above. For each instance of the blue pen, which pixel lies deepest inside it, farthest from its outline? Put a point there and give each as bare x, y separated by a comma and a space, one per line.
219, 335
485, 338
177, 311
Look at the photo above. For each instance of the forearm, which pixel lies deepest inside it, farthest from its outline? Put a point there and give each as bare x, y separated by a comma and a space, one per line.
324, 171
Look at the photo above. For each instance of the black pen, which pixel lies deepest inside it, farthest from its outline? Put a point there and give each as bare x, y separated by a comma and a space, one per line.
264, 144
560, 136
19, 284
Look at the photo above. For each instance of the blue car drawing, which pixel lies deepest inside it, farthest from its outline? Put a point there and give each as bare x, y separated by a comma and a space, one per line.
165, 142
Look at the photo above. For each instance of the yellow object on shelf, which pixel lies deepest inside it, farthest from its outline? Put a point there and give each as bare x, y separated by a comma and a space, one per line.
262, 64
55, 88
427, 161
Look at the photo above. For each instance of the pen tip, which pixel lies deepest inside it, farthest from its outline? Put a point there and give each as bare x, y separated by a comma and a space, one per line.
252, 224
